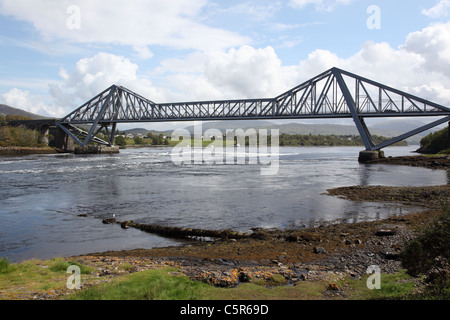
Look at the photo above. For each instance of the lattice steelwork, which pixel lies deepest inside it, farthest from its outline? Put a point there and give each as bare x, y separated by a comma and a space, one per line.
333, 94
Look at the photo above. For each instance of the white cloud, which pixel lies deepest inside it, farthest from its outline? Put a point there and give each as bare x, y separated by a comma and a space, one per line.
439, 10
20, 99
92, 75
247, 72
320, 5
142, 52
433, 44
421, 66
140, 23
258, 13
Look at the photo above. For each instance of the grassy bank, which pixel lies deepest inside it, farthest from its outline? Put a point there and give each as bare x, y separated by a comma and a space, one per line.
37, 279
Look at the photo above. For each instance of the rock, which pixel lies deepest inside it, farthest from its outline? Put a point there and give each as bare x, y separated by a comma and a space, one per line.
291, 238
82, 215
385, 232
109, 220
244, 277
319, 250
391, 255
126, 224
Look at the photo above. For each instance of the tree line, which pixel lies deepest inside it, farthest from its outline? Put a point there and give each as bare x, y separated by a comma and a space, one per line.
328, 140
149, 139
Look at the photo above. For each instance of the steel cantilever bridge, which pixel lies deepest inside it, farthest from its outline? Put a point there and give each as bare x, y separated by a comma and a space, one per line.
334, 93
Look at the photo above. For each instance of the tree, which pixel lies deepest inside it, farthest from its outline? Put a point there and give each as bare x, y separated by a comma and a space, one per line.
139, 140
120, 141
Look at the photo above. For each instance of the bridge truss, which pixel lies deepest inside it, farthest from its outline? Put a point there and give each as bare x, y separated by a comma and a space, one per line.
334, 93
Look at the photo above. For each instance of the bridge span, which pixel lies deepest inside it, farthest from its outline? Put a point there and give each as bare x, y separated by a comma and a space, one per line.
334, 93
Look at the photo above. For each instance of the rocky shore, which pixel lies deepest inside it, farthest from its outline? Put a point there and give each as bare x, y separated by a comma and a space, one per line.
325, 253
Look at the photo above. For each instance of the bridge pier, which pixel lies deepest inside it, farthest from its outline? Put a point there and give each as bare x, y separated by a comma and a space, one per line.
366, 155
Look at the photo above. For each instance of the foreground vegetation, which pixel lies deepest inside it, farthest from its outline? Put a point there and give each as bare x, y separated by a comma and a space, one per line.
437, 142
429, 255
49, 277
20, 137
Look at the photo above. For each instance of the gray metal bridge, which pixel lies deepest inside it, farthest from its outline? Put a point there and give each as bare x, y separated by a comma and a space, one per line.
334, 93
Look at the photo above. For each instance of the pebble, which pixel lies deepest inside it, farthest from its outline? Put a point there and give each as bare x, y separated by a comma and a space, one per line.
319, 250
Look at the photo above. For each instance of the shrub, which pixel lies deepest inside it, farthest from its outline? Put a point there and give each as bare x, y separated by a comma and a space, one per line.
19, 137
432, 245
139, 140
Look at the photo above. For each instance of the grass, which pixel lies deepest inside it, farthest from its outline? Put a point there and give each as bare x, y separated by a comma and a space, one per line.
396, 286
156, 284
5, 266
61, 265
17, 281
168, 284
161, 284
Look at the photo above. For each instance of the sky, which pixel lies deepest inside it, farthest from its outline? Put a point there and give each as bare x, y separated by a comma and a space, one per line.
57, 54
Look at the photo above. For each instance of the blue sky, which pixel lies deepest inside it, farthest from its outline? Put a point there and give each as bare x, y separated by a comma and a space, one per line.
56, 54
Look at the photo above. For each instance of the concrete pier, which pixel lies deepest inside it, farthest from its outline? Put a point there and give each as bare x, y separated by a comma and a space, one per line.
99, 149
365, 156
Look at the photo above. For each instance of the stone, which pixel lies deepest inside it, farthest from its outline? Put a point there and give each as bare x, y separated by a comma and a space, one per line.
319, 250
385, 232
291, 238
125, 224
109, 220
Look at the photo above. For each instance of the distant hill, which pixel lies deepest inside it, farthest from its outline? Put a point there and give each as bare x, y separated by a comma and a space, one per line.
7, 110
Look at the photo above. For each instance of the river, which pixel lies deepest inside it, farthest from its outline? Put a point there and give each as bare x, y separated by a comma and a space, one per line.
42, 196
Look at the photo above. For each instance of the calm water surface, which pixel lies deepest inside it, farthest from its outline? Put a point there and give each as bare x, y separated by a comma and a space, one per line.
41, 196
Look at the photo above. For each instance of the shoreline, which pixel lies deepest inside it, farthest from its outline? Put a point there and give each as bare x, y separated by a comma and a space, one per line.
22, 151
